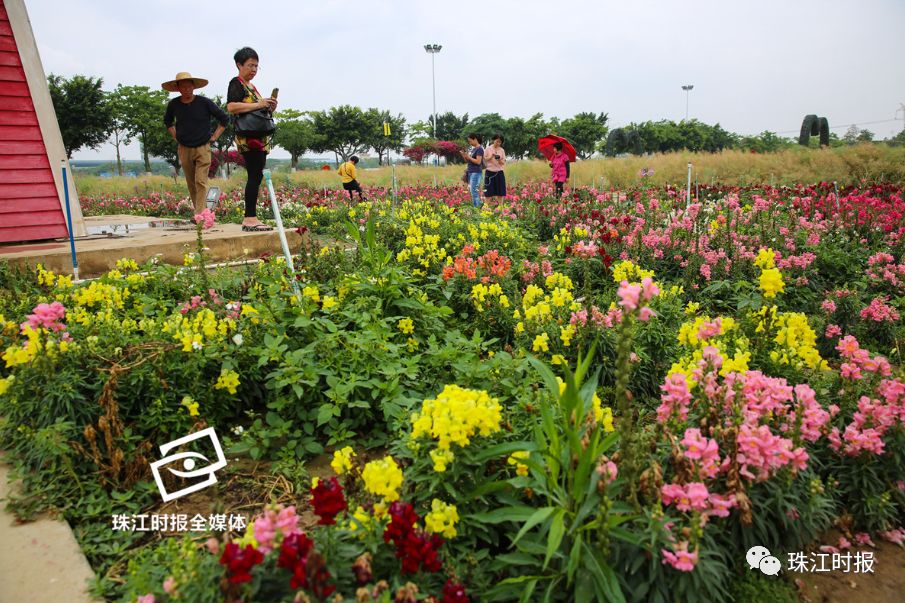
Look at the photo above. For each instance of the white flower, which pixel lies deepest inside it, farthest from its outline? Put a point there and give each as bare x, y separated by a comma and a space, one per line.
196, 345
238, 430
237, 339
231, 306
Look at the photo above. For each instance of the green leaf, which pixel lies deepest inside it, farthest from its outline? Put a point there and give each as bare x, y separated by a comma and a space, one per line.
516, 514
504, 448
554, 536
540, 515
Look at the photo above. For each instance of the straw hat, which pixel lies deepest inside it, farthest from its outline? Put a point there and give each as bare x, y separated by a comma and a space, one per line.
197, 82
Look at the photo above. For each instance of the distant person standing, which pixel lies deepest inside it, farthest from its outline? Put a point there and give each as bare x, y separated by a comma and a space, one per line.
242, 97
559, 163
347, 172
475, 159
188, 119
494, 178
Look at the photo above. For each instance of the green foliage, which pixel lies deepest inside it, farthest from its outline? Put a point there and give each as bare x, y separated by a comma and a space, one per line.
381, 143
82, 112
295, 133
585, 131
140, 112
345, 130
449, 126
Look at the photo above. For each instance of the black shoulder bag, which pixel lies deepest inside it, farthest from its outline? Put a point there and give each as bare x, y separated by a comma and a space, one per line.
254, 124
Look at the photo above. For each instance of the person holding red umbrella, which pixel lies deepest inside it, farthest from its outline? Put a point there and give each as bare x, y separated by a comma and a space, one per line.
558, 162
559, 152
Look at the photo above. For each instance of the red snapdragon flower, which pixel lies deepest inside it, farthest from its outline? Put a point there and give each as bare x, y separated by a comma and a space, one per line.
328, 500
239, 562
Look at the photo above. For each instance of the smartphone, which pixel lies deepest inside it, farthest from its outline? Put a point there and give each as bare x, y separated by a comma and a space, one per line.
274, 93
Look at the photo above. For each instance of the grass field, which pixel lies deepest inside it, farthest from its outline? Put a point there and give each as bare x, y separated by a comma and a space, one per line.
847, 165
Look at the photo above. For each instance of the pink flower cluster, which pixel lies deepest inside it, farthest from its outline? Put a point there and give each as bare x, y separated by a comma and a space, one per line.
675, 398
882, 267
206, 218
879, 311
680, 558
871, 421
828, 306
272, 521
704, 451
858, 359
631, 296
47, 316
585, 250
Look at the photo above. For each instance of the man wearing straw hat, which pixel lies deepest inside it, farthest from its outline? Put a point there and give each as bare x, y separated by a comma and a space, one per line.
192, 130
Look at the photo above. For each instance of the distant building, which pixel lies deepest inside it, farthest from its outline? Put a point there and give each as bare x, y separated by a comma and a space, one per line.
32, 205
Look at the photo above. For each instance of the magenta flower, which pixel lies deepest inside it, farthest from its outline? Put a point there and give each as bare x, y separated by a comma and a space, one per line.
680, 558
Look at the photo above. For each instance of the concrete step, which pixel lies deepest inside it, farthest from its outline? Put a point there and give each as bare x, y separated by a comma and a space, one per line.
40, 561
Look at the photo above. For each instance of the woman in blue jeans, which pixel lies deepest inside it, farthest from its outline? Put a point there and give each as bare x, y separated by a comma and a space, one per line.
475, 159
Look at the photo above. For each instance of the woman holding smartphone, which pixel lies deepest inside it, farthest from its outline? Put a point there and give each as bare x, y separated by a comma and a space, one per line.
475, 160
494, 178
241, 97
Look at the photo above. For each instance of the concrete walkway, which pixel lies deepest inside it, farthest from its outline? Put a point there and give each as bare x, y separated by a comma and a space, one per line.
141, 238
40, 561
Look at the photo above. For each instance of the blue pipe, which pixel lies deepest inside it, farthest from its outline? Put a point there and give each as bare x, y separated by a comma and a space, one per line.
75, 262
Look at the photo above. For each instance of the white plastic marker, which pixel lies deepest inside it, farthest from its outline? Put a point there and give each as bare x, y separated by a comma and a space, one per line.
282, 233
688, 189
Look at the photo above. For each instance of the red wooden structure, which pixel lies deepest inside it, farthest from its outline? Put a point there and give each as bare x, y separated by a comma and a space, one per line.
31, 196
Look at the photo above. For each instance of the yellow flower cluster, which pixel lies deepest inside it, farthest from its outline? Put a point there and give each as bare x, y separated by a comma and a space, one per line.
100, 294
797, 342
541, 343
23, 354
5, 383
517, 458
383, 478
732, 344
405, 326
199, 330
625, 270
480, 292
228, 380
771, 282
422, 249
49, 279
442, 519
766, 259
456, 415
311, 292
190, 405
342, 460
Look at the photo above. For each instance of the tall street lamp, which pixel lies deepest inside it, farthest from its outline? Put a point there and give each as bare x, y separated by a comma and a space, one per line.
687, 88
433, 49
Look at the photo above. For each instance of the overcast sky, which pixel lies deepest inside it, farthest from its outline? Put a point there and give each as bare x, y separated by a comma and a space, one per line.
755, 65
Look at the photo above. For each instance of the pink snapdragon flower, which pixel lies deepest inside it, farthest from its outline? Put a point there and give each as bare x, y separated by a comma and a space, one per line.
679, 558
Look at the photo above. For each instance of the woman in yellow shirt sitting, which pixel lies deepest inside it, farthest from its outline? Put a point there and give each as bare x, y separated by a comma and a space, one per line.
347, 173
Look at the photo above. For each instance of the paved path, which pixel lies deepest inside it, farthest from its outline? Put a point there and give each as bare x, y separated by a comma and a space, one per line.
40, 561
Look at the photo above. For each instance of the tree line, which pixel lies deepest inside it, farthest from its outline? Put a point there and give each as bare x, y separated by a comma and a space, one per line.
90, 116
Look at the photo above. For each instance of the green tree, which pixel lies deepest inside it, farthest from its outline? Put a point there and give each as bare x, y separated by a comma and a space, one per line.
143, 118
865, 136
450, 126
119, 132
82, 111
585, 130
486, 125
521, 135
295, 133
384, 144
345, 130
159, 143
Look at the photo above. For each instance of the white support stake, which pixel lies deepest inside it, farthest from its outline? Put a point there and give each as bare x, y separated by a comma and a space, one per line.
688, 189
282, 233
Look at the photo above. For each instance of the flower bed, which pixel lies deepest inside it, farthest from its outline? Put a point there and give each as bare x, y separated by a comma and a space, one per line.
606, 396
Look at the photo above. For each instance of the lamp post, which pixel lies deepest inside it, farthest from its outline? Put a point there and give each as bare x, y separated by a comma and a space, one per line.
433, 49
687, 88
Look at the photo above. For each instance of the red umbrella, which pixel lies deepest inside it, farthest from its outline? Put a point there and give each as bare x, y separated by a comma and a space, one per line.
545, 146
